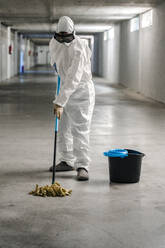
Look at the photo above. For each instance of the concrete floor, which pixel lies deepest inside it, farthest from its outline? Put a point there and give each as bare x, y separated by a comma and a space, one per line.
97, 214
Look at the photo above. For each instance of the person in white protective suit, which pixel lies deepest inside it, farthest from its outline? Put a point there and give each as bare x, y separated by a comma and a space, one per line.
75, 102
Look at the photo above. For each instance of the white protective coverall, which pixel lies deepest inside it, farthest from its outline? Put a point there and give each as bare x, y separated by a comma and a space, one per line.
77, 96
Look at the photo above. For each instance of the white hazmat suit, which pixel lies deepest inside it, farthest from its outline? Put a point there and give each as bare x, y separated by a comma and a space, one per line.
77, 96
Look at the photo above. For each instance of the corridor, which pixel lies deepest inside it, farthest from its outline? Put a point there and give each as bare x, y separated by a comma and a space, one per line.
97, 214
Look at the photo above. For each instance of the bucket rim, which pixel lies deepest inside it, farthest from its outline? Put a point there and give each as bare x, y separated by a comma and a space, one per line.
135, 152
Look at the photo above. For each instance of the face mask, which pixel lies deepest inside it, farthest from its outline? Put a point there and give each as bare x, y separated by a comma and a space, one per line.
64, 37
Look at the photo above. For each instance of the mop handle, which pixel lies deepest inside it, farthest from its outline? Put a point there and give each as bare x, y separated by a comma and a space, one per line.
55, 137
58, 90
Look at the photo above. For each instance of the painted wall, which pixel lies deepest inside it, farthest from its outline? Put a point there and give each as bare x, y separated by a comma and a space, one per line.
12, 56
26, 54
10, 63
11, 40
3, 53
142, 60
43, 55
129, 57
16, 54
108, 55
29, 49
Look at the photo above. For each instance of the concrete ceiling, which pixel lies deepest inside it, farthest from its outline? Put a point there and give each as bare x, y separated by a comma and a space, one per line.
90, 16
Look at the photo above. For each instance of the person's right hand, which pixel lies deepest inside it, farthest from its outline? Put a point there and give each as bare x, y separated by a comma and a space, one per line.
58, 110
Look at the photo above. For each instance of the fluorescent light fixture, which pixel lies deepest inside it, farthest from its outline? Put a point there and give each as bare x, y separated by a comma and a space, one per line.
147, 19
134, 24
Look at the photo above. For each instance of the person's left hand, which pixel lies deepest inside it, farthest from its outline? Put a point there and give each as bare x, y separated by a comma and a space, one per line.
58, 110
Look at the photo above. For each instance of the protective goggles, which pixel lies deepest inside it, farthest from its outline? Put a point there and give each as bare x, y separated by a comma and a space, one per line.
64, 37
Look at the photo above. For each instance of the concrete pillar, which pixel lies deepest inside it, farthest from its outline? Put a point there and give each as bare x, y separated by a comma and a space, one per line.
8, 55
28, 56
22, 51
35, 57
15, 53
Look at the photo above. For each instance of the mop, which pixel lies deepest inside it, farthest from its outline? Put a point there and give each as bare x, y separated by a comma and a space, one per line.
55, 189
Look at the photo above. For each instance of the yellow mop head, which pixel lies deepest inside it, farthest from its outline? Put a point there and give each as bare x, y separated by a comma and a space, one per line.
52, 190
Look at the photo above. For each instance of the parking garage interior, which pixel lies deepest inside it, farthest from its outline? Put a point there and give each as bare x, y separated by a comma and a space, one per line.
128, 57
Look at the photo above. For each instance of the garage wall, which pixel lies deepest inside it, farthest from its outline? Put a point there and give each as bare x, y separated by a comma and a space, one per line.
108, 55
10, 63
10, 41
29, 57
142, 60
3, 53
43, 55
26, 53
12, 56
129, 57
